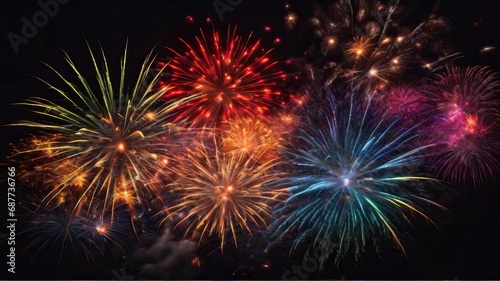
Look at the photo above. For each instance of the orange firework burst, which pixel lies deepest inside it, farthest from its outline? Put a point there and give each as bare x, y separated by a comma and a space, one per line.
253, 137
231, 79
223, 194
360, 47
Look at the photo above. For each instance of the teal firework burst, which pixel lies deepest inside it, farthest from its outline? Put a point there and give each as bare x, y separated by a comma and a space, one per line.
353, 179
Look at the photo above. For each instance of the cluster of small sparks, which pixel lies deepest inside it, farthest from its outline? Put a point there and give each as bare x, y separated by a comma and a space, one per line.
363, 44
209, 149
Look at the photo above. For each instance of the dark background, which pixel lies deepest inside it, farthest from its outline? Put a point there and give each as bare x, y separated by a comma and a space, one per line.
467, 246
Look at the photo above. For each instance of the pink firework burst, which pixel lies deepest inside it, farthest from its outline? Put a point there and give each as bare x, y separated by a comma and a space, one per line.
231, 78
464, 126
405, 102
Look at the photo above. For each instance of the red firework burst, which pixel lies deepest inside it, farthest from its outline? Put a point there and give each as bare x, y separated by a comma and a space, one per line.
234, 78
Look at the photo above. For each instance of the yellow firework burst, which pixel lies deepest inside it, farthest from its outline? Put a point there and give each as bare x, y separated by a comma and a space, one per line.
108, 142
223, 194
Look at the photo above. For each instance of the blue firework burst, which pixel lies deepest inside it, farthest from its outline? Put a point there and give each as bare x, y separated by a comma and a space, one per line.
353, 178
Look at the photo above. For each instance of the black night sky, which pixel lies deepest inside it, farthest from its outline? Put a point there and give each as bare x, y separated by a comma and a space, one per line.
467, 243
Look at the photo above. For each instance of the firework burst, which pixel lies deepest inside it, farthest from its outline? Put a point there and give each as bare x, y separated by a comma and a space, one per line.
59, 235
352, 180
404, 102
252, 137
109, 142
230, 80
464, 124
223, 194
